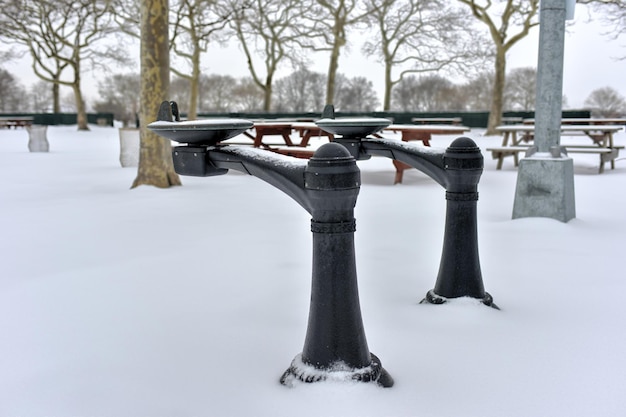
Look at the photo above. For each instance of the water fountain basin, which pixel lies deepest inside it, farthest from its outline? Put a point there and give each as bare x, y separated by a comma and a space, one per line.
353, 127
206, 132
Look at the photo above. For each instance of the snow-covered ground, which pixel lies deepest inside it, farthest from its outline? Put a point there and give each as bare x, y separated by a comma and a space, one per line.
192, 301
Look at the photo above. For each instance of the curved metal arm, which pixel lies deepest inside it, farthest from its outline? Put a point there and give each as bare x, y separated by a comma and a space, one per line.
284, 173
428, 160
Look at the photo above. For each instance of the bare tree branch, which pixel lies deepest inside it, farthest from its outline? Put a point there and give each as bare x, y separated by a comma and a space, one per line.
60, 35
508, 21
266, 30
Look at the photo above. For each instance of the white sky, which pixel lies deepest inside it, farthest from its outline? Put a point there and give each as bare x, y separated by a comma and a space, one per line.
591, 62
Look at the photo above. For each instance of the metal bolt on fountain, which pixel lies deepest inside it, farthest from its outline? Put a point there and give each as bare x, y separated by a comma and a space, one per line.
458, 169
327, 187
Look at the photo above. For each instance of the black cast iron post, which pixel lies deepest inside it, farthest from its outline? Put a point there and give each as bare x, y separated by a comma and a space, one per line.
458, 170
327, 186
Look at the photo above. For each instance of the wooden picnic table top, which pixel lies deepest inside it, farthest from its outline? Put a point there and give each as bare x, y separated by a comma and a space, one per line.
304, 125
433, 129
601, 135
279, 125
564, 128
437, 120
25, 118
16, 121
586, 121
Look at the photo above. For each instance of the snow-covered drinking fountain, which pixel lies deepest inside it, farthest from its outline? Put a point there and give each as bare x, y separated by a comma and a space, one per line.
327, 187
457, 169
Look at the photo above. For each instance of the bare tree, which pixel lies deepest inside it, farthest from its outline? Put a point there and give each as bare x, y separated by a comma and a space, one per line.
217, 92
180, 93
247, 97
478, 92
41, 97
355, 94
508, 22
324, 27
520, 89
404, 94
62, 34
427, 93
127, 16
613, 13
266, 31
119, 94
155, 154
606, 102
301, 91
12, 93
417, 36
195, 24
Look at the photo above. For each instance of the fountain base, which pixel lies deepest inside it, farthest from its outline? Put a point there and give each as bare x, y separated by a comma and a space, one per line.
300, 371
432, 298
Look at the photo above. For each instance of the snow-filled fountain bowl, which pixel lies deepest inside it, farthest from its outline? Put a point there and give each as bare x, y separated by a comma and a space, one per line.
356, 127
206, 132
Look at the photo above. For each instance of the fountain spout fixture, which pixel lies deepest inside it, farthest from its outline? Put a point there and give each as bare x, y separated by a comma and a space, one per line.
327, 187
458, 170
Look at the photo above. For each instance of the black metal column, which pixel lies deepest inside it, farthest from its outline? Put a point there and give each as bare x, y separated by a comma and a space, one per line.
459, 272
335, 343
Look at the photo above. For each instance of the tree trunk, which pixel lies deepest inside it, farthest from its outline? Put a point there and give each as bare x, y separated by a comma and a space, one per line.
155, 154
388, 87
332, 73
194, 85
267, 90
495, 113
81, 112
56, 98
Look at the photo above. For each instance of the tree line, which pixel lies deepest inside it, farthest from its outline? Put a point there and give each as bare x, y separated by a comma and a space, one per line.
409, 38
303, 91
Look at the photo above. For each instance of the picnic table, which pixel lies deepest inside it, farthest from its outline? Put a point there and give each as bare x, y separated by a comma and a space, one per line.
437, 120
307, 130
15, 121
516, 137
585, 121
263, 129
282, 129
423, 133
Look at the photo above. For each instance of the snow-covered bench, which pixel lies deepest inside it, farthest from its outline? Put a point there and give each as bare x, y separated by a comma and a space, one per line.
606, 154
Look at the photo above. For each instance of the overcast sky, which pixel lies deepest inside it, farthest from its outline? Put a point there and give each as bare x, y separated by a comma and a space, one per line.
591, 62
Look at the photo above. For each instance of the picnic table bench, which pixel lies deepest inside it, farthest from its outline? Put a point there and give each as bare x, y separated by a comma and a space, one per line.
262, 129
15, 121
601, 135
307, 130
585, 121
606, 154
423, 133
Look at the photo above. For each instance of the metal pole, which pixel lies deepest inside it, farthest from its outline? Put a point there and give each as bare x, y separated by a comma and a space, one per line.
545, 178
458, 169
549, 95
335, 341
